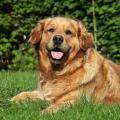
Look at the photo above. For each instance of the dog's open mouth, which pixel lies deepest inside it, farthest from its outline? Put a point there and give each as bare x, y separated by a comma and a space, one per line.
57, 54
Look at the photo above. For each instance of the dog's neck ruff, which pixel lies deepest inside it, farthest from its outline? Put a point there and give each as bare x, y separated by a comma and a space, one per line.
75, 64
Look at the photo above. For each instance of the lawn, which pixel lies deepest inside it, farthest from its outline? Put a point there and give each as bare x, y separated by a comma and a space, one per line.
12, 83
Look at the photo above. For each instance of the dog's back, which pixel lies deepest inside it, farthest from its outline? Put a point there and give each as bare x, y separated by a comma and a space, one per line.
108, 82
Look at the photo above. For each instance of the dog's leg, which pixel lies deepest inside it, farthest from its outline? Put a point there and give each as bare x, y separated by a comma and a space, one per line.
28, 96
64, 101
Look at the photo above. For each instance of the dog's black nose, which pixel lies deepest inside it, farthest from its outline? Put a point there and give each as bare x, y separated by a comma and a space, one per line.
57, 40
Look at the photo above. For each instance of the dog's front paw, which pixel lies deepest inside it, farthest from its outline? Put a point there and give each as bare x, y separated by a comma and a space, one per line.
18, 98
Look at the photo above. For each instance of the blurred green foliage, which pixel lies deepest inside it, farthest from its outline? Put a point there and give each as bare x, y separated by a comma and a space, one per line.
18, 17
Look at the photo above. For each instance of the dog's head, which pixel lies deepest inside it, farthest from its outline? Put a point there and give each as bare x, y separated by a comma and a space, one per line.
60, 39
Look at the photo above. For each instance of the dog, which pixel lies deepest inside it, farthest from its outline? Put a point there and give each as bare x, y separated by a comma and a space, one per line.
70, 67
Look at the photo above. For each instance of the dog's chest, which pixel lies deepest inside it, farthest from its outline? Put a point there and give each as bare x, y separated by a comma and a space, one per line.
55, 88
50, 90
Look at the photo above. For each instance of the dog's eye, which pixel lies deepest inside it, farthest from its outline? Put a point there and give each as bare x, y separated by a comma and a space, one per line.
51, 30
68, 32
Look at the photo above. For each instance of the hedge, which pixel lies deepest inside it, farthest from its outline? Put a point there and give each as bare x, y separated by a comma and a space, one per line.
18, 17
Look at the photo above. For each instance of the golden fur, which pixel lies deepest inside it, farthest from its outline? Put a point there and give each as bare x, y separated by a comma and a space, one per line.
83, 71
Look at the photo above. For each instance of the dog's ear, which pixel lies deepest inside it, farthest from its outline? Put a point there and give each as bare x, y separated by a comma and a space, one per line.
86, 38
36, 33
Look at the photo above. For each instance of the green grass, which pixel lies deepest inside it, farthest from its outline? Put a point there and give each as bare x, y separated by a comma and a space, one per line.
12, 83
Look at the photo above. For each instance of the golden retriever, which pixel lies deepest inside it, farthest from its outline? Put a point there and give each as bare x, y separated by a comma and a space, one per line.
69, 66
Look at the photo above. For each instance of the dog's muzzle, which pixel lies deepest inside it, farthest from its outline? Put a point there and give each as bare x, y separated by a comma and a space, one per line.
58, 52
57, 42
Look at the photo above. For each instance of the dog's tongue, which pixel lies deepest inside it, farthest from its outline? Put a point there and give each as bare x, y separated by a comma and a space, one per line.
56, 54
